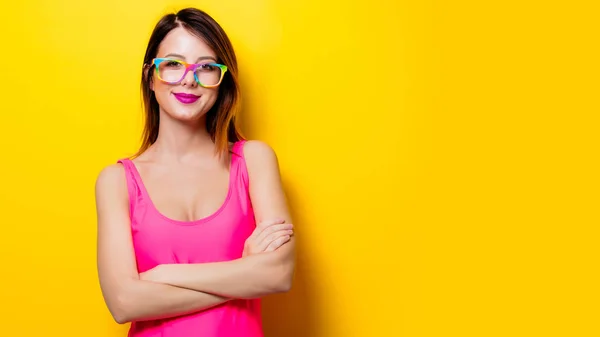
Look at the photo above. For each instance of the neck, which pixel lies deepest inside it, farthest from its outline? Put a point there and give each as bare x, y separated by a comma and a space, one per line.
182, 141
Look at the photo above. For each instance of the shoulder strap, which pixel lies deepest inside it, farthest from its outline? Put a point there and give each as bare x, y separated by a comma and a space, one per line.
238, 161
132, 184
238, 148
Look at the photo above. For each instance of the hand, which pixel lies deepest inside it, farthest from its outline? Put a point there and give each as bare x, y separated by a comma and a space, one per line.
267, 237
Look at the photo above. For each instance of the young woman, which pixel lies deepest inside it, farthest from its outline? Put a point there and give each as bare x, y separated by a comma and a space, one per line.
194, 229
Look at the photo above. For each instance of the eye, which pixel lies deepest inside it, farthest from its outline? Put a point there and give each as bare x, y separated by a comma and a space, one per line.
207, 67
172, 64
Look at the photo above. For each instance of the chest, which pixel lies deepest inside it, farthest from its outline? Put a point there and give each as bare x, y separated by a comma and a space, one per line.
187, 193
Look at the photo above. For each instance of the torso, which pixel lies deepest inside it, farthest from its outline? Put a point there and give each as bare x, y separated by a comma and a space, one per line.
197, 215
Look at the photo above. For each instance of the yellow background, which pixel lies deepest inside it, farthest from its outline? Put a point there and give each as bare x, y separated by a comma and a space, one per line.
441, 159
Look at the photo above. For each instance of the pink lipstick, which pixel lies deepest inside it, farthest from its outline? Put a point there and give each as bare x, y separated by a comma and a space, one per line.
186, 98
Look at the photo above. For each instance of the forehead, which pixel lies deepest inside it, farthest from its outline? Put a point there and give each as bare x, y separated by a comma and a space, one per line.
182, 42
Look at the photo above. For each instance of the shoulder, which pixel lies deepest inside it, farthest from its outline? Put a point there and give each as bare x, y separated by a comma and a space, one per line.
259, 154
111, 180
258, 150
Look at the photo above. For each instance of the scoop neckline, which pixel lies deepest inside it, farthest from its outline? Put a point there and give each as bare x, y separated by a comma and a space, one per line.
183, 222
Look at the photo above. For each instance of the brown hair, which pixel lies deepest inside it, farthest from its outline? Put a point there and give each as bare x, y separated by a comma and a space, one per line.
221, 118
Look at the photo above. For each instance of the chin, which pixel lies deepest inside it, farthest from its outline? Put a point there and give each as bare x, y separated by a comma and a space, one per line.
186, 114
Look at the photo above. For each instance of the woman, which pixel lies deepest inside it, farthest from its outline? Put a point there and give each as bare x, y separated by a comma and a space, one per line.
179, 251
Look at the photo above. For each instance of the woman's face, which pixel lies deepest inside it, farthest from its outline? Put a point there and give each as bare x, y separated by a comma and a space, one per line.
186, 100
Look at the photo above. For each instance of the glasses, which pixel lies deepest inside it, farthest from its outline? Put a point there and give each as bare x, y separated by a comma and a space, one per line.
172, 71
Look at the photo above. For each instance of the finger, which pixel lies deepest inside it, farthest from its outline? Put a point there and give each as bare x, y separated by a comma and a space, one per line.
265, 228
262, 245
277, 243
271, 230
264, 225
252, 240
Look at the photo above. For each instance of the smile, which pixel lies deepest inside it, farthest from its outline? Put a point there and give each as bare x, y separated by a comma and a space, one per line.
186, 98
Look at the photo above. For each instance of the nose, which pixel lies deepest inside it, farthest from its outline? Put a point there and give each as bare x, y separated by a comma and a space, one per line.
188, 79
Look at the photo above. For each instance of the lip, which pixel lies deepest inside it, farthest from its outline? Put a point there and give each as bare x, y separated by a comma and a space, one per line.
185, 98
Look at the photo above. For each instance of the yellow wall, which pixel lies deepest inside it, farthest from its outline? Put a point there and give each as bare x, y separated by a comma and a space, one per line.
440, 158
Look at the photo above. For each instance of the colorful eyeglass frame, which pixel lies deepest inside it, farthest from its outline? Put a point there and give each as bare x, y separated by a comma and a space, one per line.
189, 67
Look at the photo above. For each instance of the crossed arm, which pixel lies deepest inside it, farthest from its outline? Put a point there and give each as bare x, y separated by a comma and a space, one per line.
177, 289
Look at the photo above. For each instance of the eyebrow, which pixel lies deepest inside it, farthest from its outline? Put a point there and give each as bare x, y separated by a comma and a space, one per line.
197, 60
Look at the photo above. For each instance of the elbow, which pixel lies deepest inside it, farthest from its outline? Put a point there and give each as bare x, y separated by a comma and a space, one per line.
279, 273
283, 279
121, 318
120, 309
120, 300
283, 286
120, 313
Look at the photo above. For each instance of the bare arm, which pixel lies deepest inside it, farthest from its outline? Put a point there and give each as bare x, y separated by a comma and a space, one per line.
255, 275
269, 202
128, 298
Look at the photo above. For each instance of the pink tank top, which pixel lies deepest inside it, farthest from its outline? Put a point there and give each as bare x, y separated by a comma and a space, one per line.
158, 239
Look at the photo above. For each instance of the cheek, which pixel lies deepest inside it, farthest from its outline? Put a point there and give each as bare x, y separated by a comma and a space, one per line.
210, 101
161, 92
159, 87
211, 97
